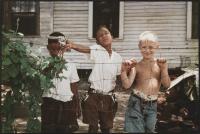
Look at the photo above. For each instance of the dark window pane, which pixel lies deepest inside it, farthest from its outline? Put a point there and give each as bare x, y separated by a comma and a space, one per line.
26, 14
106, 12
27, 23
195, 19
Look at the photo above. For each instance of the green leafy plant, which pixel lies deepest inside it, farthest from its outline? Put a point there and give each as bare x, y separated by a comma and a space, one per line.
27, 76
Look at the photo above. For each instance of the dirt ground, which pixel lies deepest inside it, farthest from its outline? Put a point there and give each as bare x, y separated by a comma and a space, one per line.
122, 98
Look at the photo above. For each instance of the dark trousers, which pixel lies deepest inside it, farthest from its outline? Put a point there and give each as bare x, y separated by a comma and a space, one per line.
99, 109
58, 116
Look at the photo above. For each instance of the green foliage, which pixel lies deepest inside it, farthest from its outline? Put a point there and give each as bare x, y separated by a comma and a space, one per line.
28, 76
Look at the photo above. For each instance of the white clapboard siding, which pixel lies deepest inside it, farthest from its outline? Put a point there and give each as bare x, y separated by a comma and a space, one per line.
71, 18
167, 19
46, 18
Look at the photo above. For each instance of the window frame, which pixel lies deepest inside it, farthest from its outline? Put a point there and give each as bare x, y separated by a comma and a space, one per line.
189, 22
8, 17
121, 21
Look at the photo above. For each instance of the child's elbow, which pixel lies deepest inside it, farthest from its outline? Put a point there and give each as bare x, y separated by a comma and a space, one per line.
167, 85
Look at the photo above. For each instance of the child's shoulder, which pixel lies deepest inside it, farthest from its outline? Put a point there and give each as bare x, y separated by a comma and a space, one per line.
138, 65
95, 46
140, 62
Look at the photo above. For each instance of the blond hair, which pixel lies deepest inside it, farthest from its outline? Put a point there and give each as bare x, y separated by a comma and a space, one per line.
148, 35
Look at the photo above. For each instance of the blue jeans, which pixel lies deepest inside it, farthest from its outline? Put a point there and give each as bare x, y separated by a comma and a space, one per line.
140, 117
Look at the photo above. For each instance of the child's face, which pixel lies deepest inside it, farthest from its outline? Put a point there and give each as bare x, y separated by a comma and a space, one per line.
148, 48
54, 49
104, 37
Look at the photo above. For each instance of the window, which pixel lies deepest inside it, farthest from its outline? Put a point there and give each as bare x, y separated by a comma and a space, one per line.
23, 16
195, 19
106, 12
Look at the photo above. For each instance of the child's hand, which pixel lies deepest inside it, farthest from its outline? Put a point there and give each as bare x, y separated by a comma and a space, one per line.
77, 105
161, 99
125, 66
162, 63
69, 45
128, 64
133, 63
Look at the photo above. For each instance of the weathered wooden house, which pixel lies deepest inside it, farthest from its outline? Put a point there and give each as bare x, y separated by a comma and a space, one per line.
175, 22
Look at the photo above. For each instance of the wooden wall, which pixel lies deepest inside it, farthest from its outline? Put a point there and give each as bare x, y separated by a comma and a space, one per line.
167, 19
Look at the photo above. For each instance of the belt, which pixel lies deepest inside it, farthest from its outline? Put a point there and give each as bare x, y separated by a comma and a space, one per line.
91, 90
143, 100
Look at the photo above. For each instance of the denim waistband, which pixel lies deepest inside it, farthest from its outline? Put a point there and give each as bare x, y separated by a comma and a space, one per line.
143, 100
144, 96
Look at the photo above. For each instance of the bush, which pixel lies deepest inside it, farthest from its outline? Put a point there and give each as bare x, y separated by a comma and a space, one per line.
27, 76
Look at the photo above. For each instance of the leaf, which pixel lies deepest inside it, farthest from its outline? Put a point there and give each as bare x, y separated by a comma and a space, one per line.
5, 76
34, 126
13, 71
13, 57
6, 61
5, 51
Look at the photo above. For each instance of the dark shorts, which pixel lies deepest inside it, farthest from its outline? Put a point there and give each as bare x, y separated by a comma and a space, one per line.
98, 108
58, 116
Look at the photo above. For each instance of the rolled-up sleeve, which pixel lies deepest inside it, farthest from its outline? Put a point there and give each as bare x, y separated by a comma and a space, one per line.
93, 52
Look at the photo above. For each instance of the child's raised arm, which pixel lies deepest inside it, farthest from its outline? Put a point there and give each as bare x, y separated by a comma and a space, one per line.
78, 47
128, 73
165, 79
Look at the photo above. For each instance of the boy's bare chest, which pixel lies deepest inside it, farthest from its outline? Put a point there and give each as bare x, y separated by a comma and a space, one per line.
148, 70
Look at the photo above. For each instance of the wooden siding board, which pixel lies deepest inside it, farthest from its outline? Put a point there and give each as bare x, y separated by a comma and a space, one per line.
69, 15
147, 4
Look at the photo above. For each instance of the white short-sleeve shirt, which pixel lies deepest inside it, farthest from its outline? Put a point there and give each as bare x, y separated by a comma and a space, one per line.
62, 90
105, 69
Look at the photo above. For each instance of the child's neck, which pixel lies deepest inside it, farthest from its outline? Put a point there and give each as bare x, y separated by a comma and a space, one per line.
147, 60
108, 49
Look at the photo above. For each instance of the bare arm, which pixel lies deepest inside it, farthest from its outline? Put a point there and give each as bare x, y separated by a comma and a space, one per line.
76, 100
165, 79
127, 79
78, 47
128, 73
74, 88
118, 83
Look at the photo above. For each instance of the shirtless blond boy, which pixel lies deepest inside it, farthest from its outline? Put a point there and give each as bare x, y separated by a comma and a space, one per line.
147, 75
